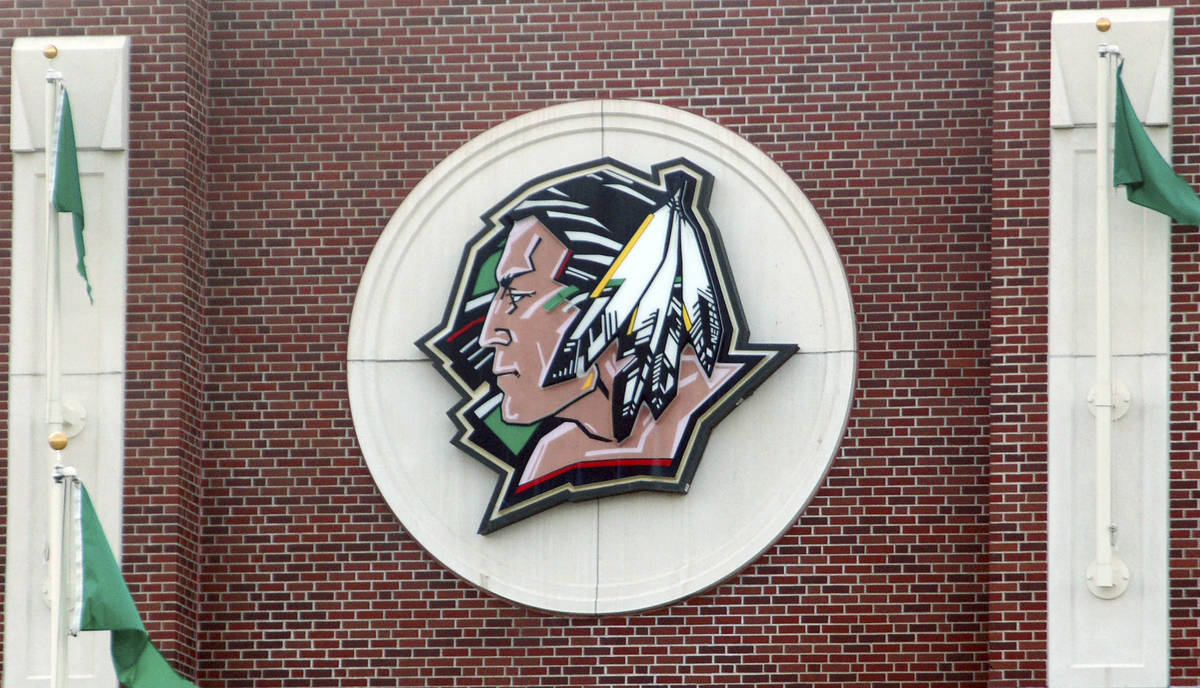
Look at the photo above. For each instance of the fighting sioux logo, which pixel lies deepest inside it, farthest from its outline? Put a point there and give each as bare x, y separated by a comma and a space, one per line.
596, 336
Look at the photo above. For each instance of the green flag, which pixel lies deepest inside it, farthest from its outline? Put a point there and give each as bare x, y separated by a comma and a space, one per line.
1149, 181
106, 605
68, 197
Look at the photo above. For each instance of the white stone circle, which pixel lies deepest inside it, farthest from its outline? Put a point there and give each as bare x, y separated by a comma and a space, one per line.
628, 552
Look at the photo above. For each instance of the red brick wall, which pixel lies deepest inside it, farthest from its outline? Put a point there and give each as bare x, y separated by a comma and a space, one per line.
1185, 368
1019, 272
272, 141
321, 121
166, 343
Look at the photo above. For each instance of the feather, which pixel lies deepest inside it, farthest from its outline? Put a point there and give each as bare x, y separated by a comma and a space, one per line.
657, 295
702, 318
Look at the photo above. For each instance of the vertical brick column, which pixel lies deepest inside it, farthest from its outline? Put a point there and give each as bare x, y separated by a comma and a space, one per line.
165, 346
1185, 367
1019, 303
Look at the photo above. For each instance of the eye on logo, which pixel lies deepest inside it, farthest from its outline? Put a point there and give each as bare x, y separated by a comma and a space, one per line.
595, 334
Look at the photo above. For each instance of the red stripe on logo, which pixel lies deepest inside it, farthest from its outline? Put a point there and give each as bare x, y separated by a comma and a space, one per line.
595, 464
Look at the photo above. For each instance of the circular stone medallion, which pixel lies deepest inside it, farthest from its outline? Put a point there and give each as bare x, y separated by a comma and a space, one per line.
551, 359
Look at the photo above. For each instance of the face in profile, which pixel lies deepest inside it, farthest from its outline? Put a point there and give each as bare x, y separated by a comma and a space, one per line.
526, 322
593, 335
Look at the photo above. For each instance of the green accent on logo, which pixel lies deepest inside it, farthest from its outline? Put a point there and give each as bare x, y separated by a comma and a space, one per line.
562, 295
612, 285
485, 280
515, 437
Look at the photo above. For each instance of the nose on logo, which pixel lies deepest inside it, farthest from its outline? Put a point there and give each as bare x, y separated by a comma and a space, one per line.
595, 336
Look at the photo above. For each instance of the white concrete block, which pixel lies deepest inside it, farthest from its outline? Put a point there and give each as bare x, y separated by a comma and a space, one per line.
1138, 32
95, 71
1092, 641
26, 612
1120, 642
1141, 257
104, 181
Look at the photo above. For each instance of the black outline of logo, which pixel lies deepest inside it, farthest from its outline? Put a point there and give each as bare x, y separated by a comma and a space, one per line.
758, 361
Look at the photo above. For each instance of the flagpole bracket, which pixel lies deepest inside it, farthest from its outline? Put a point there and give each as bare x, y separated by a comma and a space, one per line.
1106, 49
1120, 398
1119, 583
63, 472
74, 416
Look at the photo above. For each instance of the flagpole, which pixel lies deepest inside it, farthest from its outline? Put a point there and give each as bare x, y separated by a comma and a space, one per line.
59, 666
1102, 576
59, 591
54, 409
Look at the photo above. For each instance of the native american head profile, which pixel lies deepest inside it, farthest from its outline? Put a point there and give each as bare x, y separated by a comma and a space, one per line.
595, 335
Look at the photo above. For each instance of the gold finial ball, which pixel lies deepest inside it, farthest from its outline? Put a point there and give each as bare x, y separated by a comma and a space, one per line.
50, 51
58, 441
1103, 24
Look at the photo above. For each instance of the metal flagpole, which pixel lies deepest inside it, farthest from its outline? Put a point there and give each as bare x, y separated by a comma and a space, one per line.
59, 668
1107, 576
54, 410
60, 590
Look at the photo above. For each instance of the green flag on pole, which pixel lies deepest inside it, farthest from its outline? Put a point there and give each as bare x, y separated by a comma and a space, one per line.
1149, 181
106, 605
68, 197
